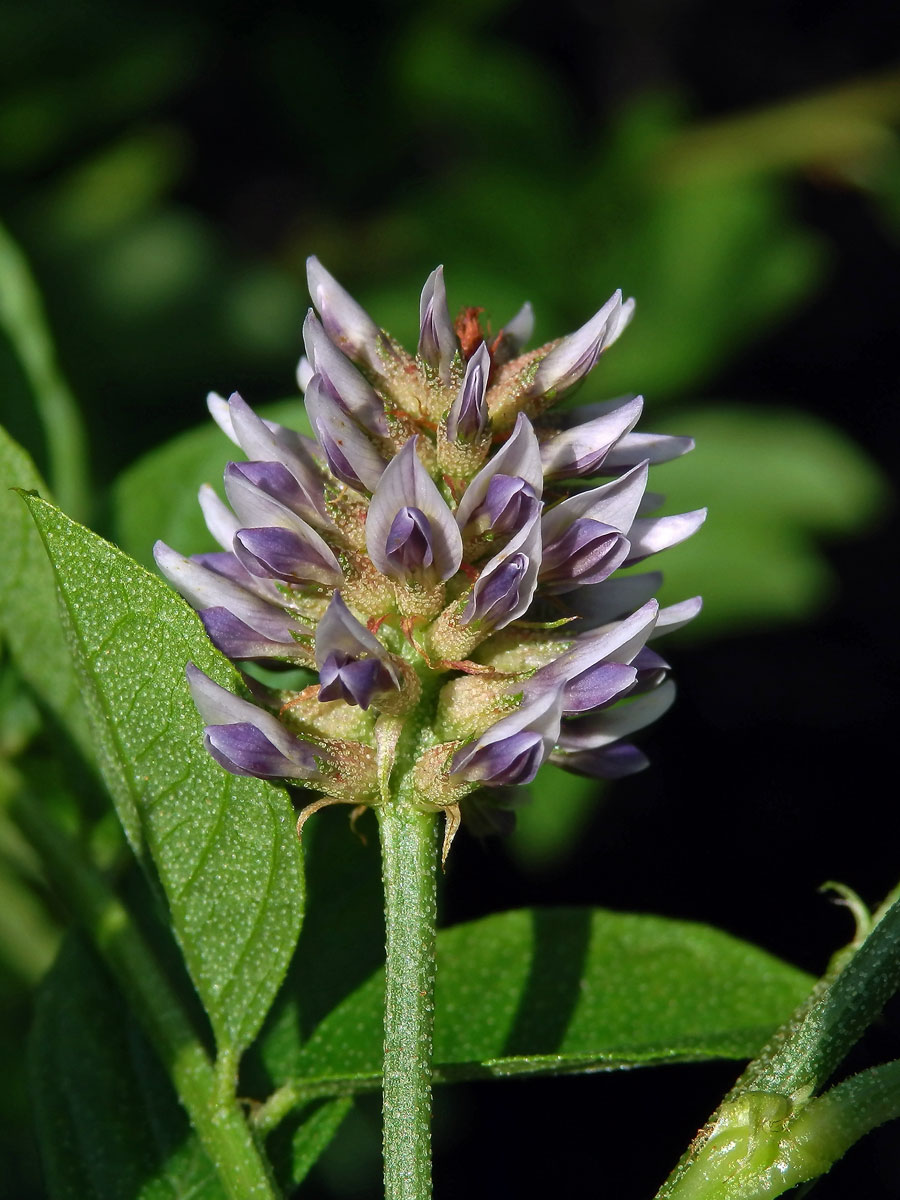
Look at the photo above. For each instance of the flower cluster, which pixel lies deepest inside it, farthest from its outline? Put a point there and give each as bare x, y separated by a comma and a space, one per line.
443, 555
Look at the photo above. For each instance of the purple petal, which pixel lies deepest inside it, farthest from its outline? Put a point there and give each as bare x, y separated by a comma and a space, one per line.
650, 535
353, 680
243, 749
620, 644
237, 640
265, 442
615, 762
577, 354
596, 686
286, 555
347, 324
505, 587
582, 449
587, 553
520, 456
502, 755
257, 510
408, 545
468, 416
603, 728
350, 454
406, 484
438, 343
613, 504
353, 664
358, 398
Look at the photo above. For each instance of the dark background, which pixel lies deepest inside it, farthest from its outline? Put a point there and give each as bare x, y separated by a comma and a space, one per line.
167, 169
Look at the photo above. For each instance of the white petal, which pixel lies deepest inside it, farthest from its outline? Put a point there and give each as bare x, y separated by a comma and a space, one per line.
652, 534
220, 520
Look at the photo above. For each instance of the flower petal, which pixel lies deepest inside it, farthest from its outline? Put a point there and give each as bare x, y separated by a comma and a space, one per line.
576, 355
204, 588
676, 616
650, 535
502, 755
354, 393
613, 504
611, 762
347, 323
603, 728
650, 447
505, 587
220, 520
406, 484
468, 415
238, 640
350, 454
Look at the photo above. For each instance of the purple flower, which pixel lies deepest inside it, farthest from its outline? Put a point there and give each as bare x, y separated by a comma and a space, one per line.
511, 751
410, 531
244, 739
341, 379
350, 455
505, 588
353, 665
519, 458
584, 448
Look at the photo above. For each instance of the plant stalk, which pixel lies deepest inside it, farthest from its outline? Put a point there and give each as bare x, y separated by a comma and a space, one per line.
409, 866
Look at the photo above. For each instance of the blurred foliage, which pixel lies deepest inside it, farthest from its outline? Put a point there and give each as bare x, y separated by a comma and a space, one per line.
166, 173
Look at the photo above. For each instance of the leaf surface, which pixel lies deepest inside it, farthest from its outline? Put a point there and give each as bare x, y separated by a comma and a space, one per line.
224, 847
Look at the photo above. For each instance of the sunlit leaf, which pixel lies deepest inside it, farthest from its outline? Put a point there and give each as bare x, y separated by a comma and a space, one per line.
224, 847
566, 990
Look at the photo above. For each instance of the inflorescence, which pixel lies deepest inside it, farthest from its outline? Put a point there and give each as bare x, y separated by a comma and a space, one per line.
436, 557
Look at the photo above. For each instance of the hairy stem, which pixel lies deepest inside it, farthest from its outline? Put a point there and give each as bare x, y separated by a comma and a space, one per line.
409, 864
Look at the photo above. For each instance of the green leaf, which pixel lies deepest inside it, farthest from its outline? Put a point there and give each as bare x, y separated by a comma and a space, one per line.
157, 496
776, 483
29, 614
563, 990
224, 847
23, 320
109, 1124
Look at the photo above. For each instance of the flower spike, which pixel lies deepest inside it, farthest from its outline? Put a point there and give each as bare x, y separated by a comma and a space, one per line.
436, 558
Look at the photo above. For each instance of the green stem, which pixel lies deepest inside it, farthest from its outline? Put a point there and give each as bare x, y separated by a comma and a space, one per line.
217, 1119
409, 866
